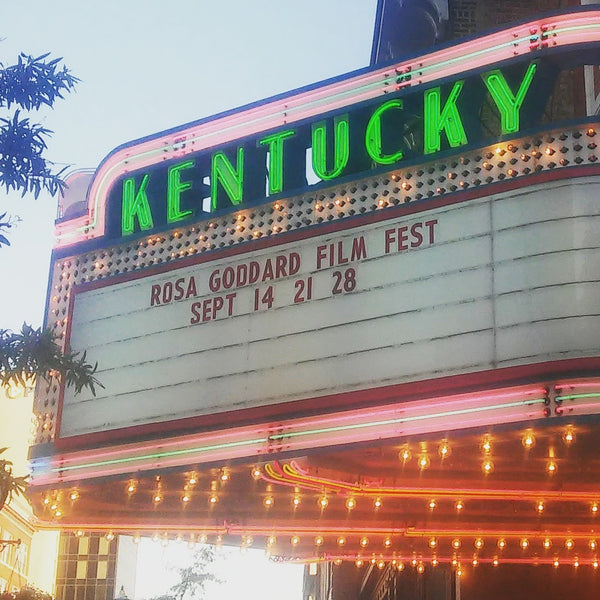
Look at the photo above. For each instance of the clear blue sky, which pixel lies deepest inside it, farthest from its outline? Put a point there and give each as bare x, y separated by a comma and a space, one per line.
149, 65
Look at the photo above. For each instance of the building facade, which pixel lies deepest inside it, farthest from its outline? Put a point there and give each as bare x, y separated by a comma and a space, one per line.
356, 325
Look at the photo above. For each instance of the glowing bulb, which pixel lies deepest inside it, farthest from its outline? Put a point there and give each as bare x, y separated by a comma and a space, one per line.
185, 498
459, 572
137, 538
224, 476
593, 545
568, 436
435, 562
595, 508
540, 506
377, 504
319, 540
595, 564
459, 505
271, 540
341, 540
528, 440
432, 542
74, 495
295, 540
387, 542
555, 563
157, 498
110, 536
256, 473
486, 445
380, 564
358, 562
364, 542
420, 568
569, 544
400, 566
551, 467
475, 561
405, 454
524, 543
424, 462
501, 543
444, 449
350, 503
495, 562
268, 501
296, 501
547, 543
487, 467
576, 562
456, 543
79, 533
131, 488
213, 499
432, 504
323, 502
478, 543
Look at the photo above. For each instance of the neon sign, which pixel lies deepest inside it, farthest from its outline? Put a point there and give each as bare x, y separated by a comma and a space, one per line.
364, 136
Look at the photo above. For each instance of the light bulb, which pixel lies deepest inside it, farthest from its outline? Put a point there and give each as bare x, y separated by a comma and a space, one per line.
487, 467
528, 440
405, 454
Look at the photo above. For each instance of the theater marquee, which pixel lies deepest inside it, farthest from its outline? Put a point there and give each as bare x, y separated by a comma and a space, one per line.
447, 230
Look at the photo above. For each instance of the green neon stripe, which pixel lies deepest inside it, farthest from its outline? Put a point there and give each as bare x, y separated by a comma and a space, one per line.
406, 419
575, 396
117, 461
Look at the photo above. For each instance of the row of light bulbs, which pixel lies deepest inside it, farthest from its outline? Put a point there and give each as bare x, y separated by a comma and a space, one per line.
417, 563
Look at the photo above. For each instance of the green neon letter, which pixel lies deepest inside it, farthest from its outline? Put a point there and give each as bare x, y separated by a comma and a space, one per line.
508, 104
341, 148
275, 143
231, 179
174, 188
373, 135
447, 119
135, 204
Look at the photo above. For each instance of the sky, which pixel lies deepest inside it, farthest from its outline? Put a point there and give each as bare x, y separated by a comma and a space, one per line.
150, 65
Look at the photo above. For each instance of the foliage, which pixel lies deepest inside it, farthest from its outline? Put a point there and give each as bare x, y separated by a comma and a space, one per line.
30, 84
192, 579
24, 356
26, 593
34, 352
9, 484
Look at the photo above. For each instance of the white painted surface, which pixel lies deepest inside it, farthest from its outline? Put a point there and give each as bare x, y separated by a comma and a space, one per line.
509, 279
